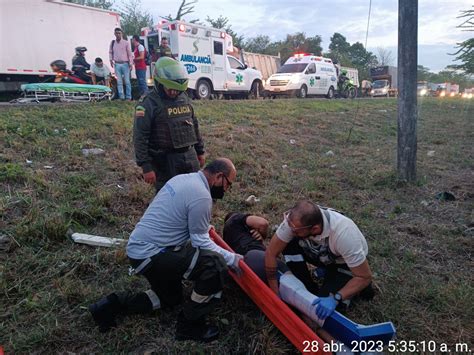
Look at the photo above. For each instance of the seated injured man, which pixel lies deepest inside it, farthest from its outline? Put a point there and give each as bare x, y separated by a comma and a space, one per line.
308, 234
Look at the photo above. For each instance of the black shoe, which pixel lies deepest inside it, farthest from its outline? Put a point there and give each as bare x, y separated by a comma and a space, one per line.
104, 312
197, 330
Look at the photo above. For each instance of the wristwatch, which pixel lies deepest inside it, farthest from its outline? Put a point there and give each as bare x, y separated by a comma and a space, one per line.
338, 297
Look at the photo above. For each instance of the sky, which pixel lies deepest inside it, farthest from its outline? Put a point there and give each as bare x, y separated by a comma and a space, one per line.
437, 32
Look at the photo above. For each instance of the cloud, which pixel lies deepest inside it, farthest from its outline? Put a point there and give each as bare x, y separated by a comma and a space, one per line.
276, 18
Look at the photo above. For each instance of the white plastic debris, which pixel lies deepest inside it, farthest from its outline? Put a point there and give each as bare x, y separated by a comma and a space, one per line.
431, 153
251, 200
56, 131
333, 166
96, 240
92, 151
48, 167
424, 203
292, 141
284, 166
329, 153
29, 161
382, 110
119, 186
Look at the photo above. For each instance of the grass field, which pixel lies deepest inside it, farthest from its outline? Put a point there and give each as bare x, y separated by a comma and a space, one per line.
420, 248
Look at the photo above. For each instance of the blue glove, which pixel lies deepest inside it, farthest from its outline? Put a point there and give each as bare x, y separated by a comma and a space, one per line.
325, 306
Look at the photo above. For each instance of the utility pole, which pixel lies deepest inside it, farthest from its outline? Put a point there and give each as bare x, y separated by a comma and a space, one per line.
407, 73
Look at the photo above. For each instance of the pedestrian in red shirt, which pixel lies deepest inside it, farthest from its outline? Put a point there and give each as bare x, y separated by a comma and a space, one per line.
139, 54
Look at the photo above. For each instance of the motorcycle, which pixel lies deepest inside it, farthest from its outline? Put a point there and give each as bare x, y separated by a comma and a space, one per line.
348, 90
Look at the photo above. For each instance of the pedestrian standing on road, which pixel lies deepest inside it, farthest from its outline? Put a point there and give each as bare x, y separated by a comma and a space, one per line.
171, 243
121, 59
139, 55
166, 132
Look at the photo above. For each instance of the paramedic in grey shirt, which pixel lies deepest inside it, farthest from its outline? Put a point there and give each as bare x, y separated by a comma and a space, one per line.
171, 243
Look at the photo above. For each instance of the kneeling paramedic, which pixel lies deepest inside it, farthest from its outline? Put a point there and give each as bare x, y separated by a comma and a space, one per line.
171, 243
166, 134
329, 240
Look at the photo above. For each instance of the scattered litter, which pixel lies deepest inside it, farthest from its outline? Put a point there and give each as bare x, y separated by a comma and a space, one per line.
5, 242
292, 141
284, 166
251, 200
333, 166
382, 110
430, 153
119, 186
64, 129
224, 321
48, 167
92, 151
56, 131
96, 240
378, 150
29, 161
424, 203
329, 153
445, 196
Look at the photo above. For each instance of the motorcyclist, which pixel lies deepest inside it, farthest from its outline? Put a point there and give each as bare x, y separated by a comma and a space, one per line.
342, 79
63, 75
80, 65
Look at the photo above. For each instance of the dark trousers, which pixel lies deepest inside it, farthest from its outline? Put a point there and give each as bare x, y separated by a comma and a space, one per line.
168, 165
166, 271
336, 275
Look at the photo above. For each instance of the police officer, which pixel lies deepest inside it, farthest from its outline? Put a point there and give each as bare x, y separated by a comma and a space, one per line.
171, 243
166, 133
164, 50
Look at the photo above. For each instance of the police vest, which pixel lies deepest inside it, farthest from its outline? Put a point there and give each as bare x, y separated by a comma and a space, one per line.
174, 126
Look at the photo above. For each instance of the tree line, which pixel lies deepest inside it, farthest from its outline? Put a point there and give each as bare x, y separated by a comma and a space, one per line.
133, 18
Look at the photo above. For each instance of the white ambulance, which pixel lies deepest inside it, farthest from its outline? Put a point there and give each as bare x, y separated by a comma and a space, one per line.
204, 51
302, 75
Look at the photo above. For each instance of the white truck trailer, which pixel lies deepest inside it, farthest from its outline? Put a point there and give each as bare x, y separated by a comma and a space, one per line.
33, 33
206, 54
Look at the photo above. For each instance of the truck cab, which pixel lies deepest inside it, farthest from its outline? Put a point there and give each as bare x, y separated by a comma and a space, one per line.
303, 74
206, 54
380, 88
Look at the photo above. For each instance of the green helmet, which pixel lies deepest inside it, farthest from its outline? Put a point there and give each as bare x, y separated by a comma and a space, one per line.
171, 74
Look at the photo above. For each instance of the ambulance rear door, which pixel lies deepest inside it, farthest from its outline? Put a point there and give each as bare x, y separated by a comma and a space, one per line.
218, 64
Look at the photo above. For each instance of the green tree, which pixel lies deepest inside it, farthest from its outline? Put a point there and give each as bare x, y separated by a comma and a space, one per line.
101, 4
354, 55
223, 23
465, 52
423, 73
133, 17
259, 44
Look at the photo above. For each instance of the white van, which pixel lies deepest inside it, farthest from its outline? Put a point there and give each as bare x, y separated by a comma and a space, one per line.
205, 52
303, 75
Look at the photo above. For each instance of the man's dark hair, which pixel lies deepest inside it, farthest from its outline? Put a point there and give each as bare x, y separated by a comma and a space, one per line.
98, 60
164, 38
118, 29
219, 166
228, 216
307, 213
136, 38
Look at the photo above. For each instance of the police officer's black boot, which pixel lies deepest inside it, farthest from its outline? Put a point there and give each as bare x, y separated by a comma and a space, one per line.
197, 330
105, 311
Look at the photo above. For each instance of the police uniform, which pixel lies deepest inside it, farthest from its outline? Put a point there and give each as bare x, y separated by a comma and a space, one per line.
164, 52
166, 136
